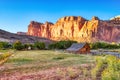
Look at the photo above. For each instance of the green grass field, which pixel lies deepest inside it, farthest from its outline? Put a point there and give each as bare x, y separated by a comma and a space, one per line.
25, 62
46, 59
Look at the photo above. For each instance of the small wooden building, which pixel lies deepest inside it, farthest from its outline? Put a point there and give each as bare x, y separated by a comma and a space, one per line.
80, 48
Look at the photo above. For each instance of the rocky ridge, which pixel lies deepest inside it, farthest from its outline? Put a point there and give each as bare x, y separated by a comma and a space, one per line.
78, 28
11, 38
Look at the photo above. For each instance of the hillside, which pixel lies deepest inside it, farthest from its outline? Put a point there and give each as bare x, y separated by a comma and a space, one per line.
11, 37
78, 28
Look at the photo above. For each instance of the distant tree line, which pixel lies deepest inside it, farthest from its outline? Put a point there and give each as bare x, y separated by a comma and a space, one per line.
61, 45
103, 45
56, 45
19, 46
36, 46
5, 45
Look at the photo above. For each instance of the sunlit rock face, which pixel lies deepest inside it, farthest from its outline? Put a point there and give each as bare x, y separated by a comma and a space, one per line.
77, 28
21, 33
40, 29
115, 20
67, 28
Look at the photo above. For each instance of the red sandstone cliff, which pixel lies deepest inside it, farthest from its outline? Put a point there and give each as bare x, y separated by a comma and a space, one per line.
77, 28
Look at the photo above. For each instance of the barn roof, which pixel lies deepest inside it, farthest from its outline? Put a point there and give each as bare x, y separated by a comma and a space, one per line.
76, 46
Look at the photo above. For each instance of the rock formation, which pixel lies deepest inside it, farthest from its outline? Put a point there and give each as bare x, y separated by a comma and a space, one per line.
21, 33
77, 28
115, 20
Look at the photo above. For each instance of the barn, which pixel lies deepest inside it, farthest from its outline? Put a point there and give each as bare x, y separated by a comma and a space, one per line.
79, 48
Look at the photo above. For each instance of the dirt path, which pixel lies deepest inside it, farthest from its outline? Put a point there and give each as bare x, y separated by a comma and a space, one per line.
99, 74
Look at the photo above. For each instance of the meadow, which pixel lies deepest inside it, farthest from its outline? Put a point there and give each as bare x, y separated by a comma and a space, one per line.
58, 65
47, 64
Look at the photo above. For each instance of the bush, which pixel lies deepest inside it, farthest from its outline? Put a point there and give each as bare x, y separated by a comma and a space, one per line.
39, 45
112, 69
103, 45
52, 46
5, 55
18, 45
61, 45
28, 46
119, 45
112, 72
4, 45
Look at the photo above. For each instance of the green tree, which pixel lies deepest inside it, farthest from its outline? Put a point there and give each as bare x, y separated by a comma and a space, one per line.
4, 45
18, 45
39, 45
28, 46
61, 45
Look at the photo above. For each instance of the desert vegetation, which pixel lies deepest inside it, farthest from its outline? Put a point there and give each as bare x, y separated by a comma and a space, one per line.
5, 45
17, 45
39, 45
56, 45
61, 45
4, 57
107, 68
103, 45
56, 63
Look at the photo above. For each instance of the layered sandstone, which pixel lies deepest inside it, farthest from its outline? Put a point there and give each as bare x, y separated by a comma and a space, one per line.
21, 33
77, 28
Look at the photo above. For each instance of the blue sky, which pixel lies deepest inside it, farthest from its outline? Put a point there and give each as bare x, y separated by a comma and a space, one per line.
15, 15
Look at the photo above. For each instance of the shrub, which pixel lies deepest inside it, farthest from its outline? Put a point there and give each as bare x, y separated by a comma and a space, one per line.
112, 69
18, 45
112, 72
61, 45
5, 55
119, 45
52, 46
26, 46
103, 45
4, 45
39, 45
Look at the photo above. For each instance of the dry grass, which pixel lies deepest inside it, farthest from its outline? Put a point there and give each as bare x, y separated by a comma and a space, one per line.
46, 64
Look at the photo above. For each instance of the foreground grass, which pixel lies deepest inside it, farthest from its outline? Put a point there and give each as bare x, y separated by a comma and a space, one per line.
26, 62
107, 68
8, 50
46, 59
58, 65
4, 57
